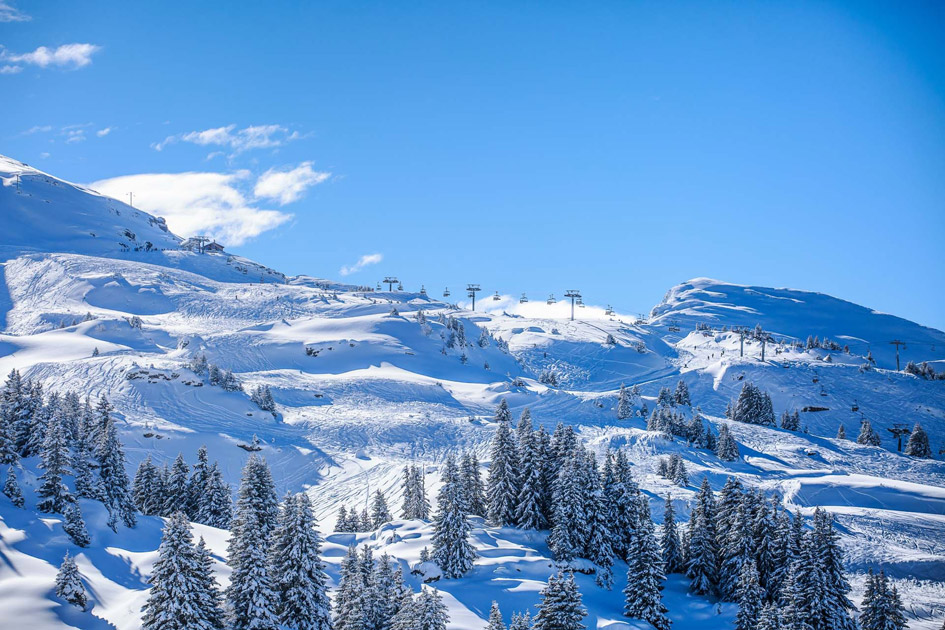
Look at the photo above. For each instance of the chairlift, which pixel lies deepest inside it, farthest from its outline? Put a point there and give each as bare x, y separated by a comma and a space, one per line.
579, 302
855, 407
609, 311
523, 299
446, 292
378, 286
400, 287
551, 299
423, 290
496, 297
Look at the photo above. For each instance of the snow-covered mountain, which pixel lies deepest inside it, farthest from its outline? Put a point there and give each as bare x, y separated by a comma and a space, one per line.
98, 297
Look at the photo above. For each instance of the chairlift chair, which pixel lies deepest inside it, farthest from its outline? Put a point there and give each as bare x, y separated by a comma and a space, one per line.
523, 299
496, 297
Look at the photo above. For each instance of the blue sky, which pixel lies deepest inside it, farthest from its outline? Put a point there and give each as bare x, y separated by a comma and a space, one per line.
615, 147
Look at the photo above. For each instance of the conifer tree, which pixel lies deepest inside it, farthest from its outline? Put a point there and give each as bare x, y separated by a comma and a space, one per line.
452, 551
725, 446
42, 415
408, 492
250, 598
380, 513
495, 618
473, 488
349, 611
560, 607
624, 408
702, 553
178, 599
529, 513
681, 395
882, 608
197, 484
430, 611
111, 460
74, 525
298, 573
217, 508
53, 493
918, 444
841, 433
735, 552
769, 619
599, 548
750, 598
177, 490
643, 599
570, 518
868, 435
825, 549
147, 490
520, 622
502, 488
86, 484
209, 591
12, 489
669, 540
69, 583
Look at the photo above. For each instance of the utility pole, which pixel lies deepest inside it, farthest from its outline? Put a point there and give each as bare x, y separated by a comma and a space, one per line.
897, 343
389, 281
573, 294
471, 290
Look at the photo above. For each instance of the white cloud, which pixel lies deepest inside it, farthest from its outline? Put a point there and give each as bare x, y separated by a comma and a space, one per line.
363, 261
9, 13
37, 129
198, 203
74, 135
68, 56
286, 186
101, 133
10, 69
238, 140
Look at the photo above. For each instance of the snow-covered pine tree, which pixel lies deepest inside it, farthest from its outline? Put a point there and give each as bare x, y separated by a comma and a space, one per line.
210, 595
176, 490
560, 607
111, 460
197, 484
452, 551
520, 621
749, 595
178, 599
599, 548
42, 415
726, 448
868, 435
841, 433
624, 407
473, 489
217, 505
12, 489
764, 540
882, 608
53, 493
568, 532
298, 573
144, 489
918, 444
735, 551
665, 398
677, 470
681, 395
495, 618
503, 413
825, 547
502, 488
380, 513
349, 611
408, 491
74, 525
250, 599
702, 554
529, 512
430, 611
769, 618
69, 583
669, 540
642, 595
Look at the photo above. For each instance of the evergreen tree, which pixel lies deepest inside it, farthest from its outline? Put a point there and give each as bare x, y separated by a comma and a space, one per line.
452, 551
669, 540
560, 607
178, 599
473, 488
13, 412
702, 553
349, 601
725, 446
74, 525
825, 548
177, 490
918, 444
599, 548
568, 532
380, 513
841, 433
624, 407
681, 395
868, 435
750, 598
41, 417
197, 485
430, 611
530, 513
111, 460
147, 490
69, 583
643, 599
882, 608
53, 493
210, 596
769, 619
12, 489
520, 622
251, 601
495, 618
502, 488
217, 508
735, 552
298, 573
86, 484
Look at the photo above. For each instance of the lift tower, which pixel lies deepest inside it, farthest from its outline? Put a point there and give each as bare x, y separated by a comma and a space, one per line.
390, 281
574, 294
471, 290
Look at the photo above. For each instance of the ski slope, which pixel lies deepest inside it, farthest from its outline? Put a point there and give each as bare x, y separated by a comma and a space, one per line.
362, 388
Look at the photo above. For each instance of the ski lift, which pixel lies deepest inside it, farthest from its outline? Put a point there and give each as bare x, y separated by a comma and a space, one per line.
400, 286
496, 298
423, 290
673, 326
580, 302
446, 292
378, 286
523, 299
551, 299
609, 311
855, 407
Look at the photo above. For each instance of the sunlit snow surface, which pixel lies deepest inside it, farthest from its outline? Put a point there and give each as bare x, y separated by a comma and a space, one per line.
376, 391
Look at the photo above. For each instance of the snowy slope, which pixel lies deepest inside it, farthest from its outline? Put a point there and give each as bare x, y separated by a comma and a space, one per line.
361, 390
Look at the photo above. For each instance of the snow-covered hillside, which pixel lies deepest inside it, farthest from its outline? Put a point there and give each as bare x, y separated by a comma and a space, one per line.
97, 297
